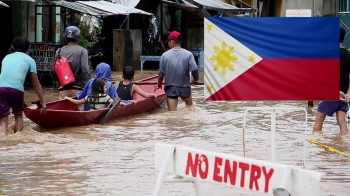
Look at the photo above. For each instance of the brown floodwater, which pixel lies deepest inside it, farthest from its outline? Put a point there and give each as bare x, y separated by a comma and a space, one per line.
118, 158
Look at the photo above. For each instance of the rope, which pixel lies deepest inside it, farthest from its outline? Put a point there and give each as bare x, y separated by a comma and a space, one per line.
328, 148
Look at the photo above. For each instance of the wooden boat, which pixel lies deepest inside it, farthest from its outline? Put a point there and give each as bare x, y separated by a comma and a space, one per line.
63, 113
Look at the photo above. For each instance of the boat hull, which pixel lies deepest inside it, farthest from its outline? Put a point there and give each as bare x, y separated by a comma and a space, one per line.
63, 113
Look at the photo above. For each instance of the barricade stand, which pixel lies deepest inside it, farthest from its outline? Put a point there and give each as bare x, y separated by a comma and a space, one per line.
194, 165
273, 128
164, 170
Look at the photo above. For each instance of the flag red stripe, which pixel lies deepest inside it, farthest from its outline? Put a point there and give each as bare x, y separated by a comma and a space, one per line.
285, 79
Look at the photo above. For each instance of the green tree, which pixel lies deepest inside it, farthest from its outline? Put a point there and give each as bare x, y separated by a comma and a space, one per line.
88, 37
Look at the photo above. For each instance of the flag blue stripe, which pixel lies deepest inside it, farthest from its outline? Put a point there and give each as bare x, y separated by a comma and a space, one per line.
285, 37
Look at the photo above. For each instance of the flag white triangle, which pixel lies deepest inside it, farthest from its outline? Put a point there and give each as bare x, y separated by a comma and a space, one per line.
225, 58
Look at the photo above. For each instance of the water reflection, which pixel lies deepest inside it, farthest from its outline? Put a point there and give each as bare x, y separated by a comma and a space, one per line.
118, 157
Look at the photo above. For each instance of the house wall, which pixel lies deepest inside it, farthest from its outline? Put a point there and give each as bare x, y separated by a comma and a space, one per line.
318, 7
31, 22
193, 25
326, 8
14, 24
23, 16
127, 48
195, 38
7, 30
19, 17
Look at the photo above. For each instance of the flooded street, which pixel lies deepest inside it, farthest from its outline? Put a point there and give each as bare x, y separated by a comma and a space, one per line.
118, 157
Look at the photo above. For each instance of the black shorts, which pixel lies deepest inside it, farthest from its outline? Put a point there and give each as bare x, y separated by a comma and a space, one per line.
174, 92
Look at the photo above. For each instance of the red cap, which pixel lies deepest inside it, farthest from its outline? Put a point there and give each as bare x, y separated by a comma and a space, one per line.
174, 35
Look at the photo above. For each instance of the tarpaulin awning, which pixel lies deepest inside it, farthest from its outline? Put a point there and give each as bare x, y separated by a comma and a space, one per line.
4, 4
82, 8
113, 7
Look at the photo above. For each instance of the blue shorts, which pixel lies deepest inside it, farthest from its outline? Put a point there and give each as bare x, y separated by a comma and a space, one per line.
174, 92
329, 107
10, 97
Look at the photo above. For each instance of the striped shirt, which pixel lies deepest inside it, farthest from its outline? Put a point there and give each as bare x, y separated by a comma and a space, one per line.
98, 102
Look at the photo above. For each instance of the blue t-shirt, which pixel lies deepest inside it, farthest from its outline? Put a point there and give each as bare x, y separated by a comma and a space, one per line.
176, 65
14, 70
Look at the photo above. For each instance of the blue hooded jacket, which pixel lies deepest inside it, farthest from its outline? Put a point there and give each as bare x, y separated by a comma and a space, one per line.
103, 71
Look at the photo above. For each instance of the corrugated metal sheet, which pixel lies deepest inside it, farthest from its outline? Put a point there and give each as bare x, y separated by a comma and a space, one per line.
4, 4
218, 5
113, 7
21, 0
129, 3
215, 4
193, 5
189, 4
82, 8
183, 6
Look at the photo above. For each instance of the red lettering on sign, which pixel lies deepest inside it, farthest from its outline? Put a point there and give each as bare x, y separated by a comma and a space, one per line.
244, 167
267, 178
192, 164
255, 174
203, 166
198, 164
41, 47
230, 172
217, 164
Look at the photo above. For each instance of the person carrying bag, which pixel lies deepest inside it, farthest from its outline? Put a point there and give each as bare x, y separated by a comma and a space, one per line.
74, 57
63, 70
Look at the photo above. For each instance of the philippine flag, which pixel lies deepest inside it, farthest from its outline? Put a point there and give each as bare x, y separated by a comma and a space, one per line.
271, 58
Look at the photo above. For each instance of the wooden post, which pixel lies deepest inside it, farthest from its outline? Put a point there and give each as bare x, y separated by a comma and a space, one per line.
127, 47
127, 22
161, 22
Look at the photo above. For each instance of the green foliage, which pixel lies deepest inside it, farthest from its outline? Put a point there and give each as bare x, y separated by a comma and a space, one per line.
88, 38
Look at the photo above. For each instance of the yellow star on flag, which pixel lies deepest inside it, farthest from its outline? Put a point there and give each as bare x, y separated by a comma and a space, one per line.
209, 88
209, 27
251, 59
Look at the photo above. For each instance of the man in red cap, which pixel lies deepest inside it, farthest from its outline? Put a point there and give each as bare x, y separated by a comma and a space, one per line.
175, 65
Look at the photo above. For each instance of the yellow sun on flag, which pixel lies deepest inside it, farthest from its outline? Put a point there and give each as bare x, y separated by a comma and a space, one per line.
209, 88
209, 27
223, 58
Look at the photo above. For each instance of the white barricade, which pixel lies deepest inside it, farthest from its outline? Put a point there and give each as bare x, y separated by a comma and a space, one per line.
236, 171
272, 111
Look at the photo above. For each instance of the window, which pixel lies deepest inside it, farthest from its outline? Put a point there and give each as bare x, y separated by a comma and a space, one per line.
47, 23
344, 6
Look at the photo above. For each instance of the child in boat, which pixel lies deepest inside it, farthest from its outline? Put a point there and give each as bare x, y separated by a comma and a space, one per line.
126, 88
102, 71
98, 98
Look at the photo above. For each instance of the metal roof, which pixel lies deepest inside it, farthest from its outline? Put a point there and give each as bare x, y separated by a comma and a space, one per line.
183, 6
4, 4
113, 7
217, 5
21, 0
196, 5
82, 8
129, 3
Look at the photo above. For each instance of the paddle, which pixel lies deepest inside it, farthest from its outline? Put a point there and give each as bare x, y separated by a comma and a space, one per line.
114, 105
